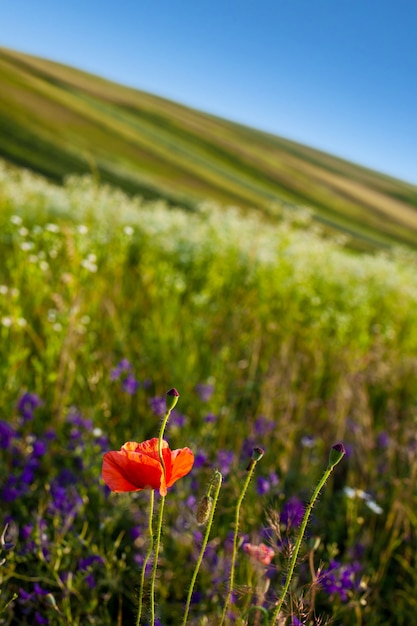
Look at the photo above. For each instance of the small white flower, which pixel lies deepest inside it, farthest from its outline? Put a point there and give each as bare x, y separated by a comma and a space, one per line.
51, 315
128, 230
16, 220
82, 229
52, 228
26, 245
362, 495
3, 290
349, 492
90, 263
44, 266
21, 322
23, 231
6, 321
374, 507
366, 497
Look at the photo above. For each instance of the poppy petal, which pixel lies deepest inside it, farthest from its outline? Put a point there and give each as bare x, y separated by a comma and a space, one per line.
182, 462
130, 471
149, 447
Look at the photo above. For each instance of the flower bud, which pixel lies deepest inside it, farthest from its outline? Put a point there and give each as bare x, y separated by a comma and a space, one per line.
257, 454
203, 510
172, 398
337, 453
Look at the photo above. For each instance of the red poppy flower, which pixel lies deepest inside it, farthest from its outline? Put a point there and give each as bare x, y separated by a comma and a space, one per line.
137, 466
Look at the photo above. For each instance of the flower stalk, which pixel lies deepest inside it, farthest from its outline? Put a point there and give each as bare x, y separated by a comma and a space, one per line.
147, 556
257, 454
217, 482
171, 401
337, 452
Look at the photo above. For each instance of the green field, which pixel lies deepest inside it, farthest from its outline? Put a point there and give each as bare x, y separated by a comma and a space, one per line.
57, 120
274, 335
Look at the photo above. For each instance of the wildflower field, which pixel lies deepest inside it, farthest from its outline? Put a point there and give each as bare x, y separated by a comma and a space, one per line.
280, 342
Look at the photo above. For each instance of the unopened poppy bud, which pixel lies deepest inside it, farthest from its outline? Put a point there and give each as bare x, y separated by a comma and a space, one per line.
172, 398
257, 454
203, 510
337, 453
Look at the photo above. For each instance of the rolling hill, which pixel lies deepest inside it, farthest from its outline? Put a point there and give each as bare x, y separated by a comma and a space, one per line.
58, 120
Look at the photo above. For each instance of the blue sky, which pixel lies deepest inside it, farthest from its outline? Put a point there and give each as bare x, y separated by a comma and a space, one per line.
337, 75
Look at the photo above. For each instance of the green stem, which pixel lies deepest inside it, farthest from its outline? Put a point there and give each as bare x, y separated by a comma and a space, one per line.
160, 439
160, 518
155, 563
217, 476
251, 469
299, 540
148, 554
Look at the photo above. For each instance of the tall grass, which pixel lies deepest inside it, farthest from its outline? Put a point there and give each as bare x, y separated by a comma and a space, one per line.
275, 337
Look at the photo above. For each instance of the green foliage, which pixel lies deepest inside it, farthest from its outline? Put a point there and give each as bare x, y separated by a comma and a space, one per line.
286, 324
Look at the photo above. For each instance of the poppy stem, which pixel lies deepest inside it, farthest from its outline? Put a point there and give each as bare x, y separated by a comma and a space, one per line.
155, 562
217, 478
336, 454
171, 400
250, 470
147, 556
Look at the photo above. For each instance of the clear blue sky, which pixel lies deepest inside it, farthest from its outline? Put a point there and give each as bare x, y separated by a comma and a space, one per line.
340, 75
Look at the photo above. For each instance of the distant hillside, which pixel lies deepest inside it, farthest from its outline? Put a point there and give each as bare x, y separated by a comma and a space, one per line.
58, 120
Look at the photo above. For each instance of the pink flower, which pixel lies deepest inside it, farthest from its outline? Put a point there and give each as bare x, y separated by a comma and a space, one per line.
261, 553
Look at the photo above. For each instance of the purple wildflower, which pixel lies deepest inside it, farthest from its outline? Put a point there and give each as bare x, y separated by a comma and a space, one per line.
122, 367
383, 440
292, 512
224, 461
340, 579
265, 484
75, 418
204, 391
263, 426
39, 448
65, 501
158, 405
177, 419
200, 459
130, 385
7, 433
27, 404
26, 531
85, 564
308, 441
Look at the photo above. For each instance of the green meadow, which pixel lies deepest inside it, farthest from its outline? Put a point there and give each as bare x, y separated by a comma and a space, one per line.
276, 335
57, 120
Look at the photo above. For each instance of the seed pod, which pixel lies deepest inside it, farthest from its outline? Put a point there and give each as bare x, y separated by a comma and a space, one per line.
204, 510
